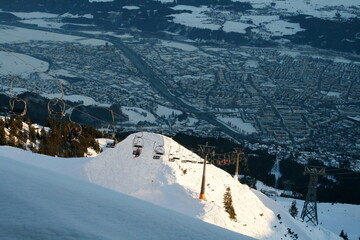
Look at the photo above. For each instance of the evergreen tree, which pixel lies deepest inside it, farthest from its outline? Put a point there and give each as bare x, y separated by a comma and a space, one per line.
19, 123
32, 134
229, 208
344, 235
2, 133
13, 127
43, 142
293, 209
12, 141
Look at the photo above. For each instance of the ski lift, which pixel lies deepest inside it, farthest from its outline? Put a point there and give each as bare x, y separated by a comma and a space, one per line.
75, 129
158, 151
113, 144
188, 157
18, 105
138, 143
174, 156
184, 159
112, 127
56, 106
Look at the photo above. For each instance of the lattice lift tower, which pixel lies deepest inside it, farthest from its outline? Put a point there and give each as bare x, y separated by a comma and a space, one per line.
310, 208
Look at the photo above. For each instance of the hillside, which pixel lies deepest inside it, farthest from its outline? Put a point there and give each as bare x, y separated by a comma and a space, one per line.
40, 204
176, 185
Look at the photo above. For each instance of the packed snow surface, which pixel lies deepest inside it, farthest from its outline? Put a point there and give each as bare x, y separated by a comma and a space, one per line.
172, 185
39, 204
176, 185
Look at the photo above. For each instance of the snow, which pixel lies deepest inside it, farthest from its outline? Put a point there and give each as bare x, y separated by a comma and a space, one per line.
16, 66
238, 124
281, 28
69, 15
101, 0
230, 26
18, 35
195, 19
331, 94
178, 45
39, 204
165, 111
316, 8
165, 1
131, 7
34, 15
43, 23
137, 115
45, 201
251, 64
330, 216
165, 183
86, 101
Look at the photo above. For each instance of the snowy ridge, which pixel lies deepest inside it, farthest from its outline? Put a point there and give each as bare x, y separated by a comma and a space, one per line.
176, 185
39, 204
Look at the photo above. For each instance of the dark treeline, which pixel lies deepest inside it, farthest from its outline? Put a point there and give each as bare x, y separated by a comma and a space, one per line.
59, 138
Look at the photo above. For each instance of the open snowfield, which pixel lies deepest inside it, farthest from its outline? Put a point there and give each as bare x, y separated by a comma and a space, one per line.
316, 8
18, 35
15, 66
172, 185
238, 124
40, 204
136, 114
329, 213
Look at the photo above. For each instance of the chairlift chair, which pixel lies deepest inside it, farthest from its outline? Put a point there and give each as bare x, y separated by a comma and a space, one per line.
138, 142
185, 159
176, 156
158, 151
18, 106
173, 156
56, 108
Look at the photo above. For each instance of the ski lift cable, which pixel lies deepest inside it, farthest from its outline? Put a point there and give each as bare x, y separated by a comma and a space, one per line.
52, 77
40, 91
35, 68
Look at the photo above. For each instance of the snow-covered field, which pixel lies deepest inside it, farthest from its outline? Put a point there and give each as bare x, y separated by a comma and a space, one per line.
18, 35
40, 204
238, 124
57, 200
265, 25
329, 213
316, 8
11, 65
136, 114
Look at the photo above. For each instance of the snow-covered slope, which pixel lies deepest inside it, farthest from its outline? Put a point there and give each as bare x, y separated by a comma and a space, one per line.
39, 204
176, 185
173, 185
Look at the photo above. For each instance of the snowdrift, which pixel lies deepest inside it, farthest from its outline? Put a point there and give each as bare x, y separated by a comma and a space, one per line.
176, 185
40, 204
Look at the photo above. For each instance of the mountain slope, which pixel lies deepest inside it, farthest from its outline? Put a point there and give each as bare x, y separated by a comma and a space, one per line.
176, 185
39, 204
